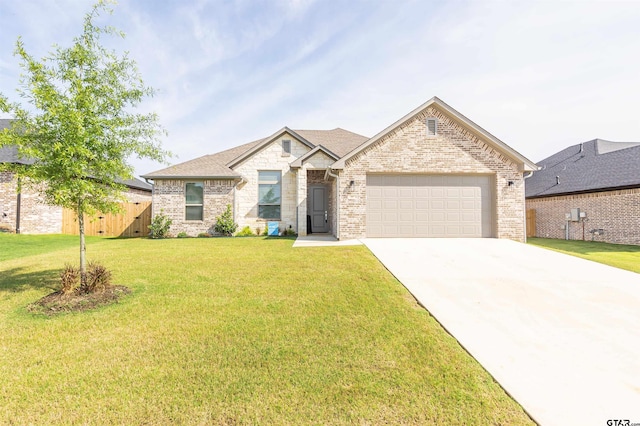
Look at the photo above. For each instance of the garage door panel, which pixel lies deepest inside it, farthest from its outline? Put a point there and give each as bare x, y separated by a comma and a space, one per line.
389, 216
405, 204
406, 216
390, 192
390, 204
429, 206
469, 204
436, 192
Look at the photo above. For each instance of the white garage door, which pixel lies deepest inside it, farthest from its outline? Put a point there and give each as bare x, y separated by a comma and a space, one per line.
429, 206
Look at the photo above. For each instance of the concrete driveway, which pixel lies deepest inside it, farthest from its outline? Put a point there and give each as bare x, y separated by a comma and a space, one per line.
559, 333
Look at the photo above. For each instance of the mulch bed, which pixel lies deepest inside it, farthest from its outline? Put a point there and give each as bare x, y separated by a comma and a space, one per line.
77, 301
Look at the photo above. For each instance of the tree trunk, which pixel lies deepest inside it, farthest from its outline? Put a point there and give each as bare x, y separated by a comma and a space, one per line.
83, 251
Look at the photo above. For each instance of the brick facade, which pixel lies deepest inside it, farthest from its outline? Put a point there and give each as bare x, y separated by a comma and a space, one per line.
36, 217
169, 194
616, 212
169, 198
454, 150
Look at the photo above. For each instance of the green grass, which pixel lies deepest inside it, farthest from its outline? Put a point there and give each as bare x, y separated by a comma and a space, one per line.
233, 331
14, 246
618, 255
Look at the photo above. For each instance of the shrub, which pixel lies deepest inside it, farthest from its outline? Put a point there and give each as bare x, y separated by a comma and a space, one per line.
69, 278
98, 277
225, 224
203, 235
160, 226
246, 232
183, 235
289, 232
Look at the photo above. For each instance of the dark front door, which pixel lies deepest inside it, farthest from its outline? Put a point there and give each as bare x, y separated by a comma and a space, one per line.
319, 209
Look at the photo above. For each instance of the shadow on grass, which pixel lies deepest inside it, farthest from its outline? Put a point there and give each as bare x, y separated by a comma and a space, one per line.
17, 279
584, 247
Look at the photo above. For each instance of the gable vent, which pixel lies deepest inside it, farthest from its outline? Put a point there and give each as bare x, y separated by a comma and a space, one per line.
432, 126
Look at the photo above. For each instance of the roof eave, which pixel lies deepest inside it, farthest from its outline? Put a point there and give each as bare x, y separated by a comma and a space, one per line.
583, 191
155, 177
300, 160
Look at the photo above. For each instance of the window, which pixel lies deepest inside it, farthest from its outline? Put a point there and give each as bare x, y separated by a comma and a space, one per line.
432, 126
193, 200
286, 147
269, 188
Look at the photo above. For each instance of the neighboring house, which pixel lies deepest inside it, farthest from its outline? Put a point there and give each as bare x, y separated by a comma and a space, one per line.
433, 173
26, 212
602, 179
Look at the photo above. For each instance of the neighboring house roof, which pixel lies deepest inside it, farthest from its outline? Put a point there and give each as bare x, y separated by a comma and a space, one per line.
9, 154
587, 167
136, 184
337, 141
526, 164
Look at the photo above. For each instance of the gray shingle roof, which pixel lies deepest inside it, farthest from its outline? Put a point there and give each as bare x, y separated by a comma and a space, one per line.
9, 154
587, 167
338, 141
136, 184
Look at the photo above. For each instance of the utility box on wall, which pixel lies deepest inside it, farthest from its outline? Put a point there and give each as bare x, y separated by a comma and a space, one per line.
575, 215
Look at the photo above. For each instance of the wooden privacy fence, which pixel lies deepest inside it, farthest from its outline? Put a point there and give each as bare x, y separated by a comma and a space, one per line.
134, 221
531, 223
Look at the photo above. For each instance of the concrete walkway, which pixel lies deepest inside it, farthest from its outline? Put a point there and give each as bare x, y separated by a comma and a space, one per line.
559, 333
323, 240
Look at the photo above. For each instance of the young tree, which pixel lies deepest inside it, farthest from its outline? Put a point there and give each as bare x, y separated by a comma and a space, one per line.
81, 127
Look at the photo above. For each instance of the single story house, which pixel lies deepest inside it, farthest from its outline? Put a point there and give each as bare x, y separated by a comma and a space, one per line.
26, 212
432, 173
600, 178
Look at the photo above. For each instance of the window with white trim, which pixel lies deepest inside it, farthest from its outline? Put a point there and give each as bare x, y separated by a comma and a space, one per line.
194, 200
269, 194
432, 126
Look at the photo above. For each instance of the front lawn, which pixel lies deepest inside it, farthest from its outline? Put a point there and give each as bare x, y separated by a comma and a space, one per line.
233, 331
618, 255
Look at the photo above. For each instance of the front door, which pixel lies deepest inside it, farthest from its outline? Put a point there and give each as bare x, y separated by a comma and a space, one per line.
318, 209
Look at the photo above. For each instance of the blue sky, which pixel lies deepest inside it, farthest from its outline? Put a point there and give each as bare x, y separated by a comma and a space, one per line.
538, 75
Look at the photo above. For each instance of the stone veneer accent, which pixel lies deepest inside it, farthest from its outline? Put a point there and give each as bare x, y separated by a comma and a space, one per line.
455, 150
270, 157
616, 212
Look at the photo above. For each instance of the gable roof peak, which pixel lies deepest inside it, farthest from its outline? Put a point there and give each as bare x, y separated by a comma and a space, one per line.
525, 163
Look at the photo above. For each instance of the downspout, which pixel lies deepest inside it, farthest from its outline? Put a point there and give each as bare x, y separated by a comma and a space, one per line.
525, 177
153, 195
328, 173
18, 202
